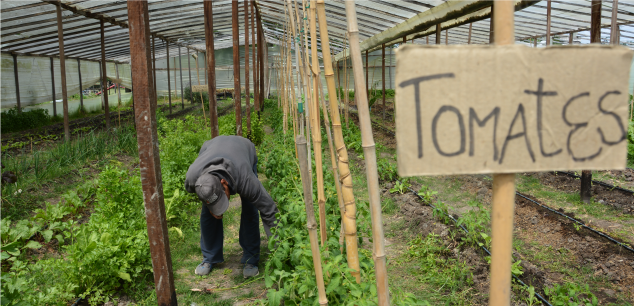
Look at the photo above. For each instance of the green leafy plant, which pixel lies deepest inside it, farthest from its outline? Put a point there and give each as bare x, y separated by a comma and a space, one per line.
570, 294
427, 194
400, 187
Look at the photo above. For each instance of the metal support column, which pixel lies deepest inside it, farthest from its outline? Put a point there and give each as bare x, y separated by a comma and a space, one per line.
62, 69
149, 162
237, 92
210, 66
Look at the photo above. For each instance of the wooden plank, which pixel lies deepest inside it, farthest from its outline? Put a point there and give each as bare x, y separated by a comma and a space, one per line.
149, 161
62, 67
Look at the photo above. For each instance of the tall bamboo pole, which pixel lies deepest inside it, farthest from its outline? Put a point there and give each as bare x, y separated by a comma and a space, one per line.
369, 153
298, 59
502, 208
333, 161
309, 96
321, 198
345, 176
346, 94
614, 28
311, 224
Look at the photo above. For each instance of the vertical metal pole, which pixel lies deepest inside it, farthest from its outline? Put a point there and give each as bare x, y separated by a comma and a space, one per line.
383, 73
548, 18
438, 33
367, 69
81, 90
571, 39
210, 66
237, 92
17, 83
492, 24
614, 29
169, 85
595, 22
175, 84
180, 69
149, 162
191, 85
595, 37
470, 29
503, 203
154, 68
261, 58
62, 69
446, 37
535, 42
53, 87
246, 65
100, 85
104, 79
256, 103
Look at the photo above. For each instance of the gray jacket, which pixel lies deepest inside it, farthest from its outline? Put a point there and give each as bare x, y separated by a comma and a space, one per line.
233, 158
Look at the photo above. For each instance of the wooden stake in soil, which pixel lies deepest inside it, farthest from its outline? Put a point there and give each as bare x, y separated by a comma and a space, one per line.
345, 176
255, 64
116, 68
503, 203
321, 197
311, 224
154, 68
147, 137
211, 67
614, 28
369, 153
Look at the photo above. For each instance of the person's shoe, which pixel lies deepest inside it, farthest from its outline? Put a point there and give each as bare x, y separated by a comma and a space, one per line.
250, 271
203, 269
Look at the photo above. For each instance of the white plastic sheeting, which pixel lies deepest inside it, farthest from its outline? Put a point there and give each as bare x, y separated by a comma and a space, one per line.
36, 85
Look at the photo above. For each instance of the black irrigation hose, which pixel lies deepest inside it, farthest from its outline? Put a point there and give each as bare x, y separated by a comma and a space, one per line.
598, 182
602, 234
77, 302
481, 246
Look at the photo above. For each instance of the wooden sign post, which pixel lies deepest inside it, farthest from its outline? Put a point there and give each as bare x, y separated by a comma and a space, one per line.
507, 108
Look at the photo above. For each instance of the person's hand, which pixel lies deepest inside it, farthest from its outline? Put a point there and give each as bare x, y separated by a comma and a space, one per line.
217, 217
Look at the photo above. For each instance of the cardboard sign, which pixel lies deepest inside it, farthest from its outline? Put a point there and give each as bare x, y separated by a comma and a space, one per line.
505, 109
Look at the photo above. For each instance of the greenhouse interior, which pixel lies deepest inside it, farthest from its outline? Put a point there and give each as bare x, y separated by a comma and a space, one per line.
394, 152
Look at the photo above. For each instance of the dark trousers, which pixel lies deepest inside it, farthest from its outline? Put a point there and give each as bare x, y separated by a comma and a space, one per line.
212, 234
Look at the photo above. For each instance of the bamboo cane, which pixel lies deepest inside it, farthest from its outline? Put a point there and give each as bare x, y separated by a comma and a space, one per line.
350, 215
321, 198
502, 208
346, 94
333, 160
290, 74
298, 55
309, 88
300, 142
369, 152
202, 102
